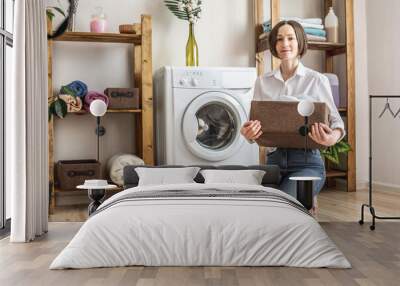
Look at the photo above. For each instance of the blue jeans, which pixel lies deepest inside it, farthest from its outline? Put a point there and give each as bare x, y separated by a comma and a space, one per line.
292, 163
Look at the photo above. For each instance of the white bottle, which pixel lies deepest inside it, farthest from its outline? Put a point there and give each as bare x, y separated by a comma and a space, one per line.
332, 26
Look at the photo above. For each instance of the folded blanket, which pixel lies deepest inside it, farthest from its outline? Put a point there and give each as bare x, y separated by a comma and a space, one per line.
74, 103
308, 31
267, 26
93, 95
315, 32
78, 87
309, 37
309, 25
316, 38
317, 21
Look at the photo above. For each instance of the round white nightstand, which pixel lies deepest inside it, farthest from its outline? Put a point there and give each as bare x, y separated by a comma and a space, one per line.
96, 195
304, 190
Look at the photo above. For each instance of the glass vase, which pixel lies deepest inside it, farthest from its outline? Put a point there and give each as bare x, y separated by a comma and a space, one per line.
192, 51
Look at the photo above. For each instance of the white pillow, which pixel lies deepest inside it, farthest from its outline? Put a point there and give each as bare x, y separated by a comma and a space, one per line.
248, 177
163, 176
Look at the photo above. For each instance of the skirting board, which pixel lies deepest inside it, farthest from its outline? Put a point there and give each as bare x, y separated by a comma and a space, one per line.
363, 185
385, 186
342, 184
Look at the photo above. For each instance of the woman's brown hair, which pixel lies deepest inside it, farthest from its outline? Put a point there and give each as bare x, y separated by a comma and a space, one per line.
300, 36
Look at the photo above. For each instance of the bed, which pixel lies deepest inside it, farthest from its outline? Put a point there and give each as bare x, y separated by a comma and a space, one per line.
201, 224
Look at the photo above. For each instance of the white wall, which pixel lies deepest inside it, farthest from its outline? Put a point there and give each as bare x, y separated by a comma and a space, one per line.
224, 33
361, 78
383, 75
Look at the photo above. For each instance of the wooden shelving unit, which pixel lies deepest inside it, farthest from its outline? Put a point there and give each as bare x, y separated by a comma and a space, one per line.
142, 73
111, 111
330, 50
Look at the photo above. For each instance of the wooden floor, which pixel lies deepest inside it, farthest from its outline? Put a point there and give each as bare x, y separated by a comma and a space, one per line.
374, 255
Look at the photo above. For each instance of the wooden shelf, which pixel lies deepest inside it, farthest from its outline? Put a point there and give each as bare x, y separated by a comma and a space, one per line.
342, 109
124, 111
332, 48
335, 174
110, 111
100, 37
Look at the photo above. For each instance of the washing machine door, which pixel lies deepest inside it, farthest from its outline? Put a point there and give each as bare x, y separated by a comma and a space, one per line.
211, 126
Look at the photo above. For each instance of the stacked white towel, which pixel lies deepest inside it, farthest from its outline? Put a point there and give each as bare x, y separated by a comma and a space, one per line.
313, 27
314, 38
317, 21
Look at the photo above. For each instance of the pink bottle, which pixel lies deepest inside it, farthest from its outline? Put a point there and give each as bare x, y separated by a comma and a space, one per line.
98, 23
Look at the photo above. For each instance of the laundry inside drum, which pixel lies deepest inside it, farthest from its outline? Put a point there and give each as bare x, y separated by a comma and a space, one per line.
216, 126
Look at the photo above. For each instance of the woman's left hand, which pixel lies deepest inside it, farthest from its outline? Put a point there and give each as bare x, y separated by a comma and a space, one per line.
323, 134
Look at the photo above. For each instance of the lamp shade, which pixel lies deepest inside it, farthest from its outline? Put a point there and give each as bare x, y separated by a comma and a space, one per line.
98, 107
305, 108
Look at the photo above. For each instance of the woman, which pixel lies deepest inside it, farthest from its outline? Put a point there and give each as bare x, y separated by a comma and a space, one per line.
293, 81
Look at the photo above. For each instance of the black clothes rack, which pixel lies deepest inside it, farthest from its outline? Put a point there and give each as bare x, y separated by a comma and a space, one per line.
369, 205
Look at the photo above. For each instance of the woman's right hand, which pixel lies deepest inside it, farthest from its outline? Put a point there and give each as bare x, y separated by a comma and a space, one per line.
251, 130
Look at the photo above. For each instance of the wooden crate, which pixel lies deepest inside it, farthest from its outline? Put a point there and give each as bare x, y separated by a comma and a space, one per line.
71, 173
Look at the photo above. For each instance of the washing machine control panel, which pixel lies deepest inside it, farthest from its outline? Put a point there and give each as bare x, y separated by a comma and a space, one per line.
213, 78
196, 79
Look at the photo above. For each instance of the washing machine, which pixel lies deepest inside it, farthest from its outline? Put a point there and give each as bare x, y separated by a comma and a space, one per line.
199, 113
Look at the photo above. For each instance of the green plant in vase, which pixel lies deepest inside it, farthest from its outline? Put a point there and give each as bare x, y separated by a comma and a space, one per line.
188, 10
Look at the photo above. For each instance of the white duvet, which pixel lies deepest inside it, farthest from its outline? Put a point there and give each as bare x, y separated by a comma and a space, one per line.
200, 231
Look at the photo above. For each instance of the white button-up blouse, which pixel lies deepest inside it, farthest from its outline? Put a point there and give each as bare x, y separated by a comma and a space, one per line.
304, 84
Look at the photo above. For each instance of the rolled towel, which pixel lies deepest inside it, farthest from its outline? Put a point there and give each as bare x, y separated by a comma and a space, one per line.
78, 87
92, 95
74, 103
